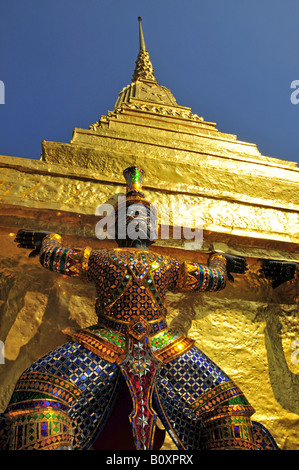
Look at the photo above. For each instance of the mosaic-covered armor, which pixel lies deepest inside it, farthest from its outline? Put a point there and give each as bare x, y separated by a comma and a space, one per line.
64, 399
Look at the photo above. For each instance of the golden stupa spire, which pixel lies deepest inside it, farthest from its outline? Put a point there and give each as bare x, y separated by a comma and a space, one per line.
141, 37
144, 69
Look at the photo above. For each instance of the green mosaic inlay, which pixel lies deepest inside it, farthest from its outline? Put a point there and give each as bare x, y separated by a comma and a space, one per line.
238, 400
41, 417
163, 338
111, 336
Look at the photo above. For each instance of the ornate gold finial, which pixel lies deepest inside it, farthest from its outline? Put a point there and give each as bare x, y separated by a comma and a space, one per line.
144, 69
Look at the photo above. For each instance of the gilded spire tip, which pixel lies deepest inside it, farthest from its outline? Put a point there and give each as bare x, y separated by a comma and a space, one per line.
141, 37
144, 69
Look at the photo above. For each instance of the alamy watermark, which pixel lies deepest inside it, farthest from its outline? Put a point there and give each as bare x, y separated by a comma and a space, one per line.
177, 221
2, 92
295, 94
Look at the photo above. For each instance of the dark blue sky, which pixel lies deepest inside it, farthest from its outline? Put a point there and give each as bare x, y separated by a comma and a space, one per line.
63, 63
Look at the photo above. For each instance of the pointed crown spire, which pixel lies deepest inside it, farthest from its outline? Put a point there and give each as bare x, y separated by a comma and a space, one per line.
134, 195
144, 69
133, 176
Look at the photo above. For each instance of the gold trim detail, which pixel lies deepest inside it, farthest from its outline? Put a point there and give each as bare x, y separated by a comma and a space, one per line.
174, 349
84, 262
53, 236
106, 350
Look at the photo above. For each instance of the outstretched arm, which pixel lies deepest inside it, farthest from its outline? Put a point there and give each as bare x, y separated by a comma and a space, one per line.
53, 256
197, 277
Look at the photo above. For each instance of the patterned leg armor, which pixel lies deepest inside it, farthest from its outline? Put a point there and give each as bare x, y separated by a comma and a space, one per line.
62, 401
179, 383
41, 429
202, 409
4, 431
228, 428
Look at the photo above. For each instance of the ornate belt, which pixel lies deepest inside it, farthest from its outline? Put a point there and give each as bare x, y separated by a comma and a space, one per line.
123, 327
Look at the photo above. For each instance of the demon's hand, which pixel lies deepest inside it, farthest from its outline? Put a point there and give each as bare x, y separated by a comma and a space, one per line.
278, 271
30, 240
235, 264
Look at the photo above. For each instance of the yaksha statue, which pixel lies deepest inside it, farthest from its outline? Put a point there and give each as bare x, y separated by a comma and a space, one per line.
64, 399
